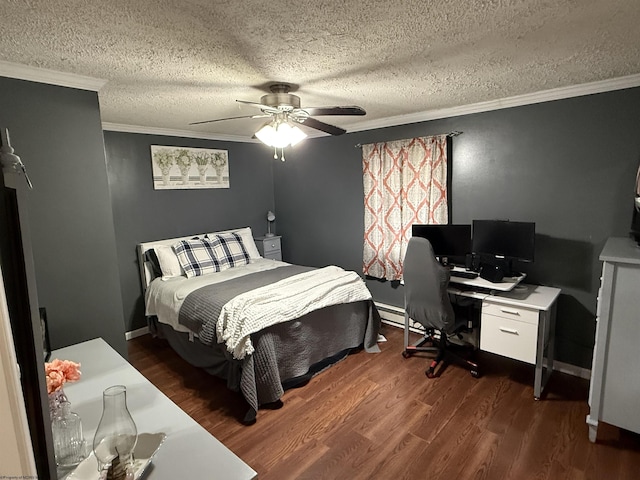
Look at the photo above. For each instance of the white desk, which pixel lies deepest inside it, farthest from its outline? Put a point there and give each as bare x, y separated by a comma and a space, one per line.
516, 321
520, 324
189, 451
507, 283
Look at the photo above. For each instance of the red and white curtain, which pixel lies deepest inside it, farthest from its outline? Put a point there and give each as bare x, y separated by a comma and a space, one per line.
405, 182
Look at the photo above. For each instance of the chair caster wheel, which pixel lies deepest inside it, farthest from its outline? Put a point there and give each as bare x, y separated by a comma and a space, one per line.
475, 373
430, 373
406, 354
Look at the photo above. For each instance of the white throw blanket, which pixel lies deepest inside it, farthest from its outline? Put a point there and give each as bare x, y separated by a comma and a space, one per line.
285, 300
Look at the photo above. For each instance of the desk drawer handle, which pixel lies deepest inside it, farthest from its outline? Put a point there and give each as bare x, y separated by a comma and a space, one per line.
508, 310
508, 330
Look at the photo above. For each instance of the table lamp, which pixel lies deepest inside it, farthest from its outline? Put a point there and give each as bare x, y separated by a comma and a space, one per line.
270, 218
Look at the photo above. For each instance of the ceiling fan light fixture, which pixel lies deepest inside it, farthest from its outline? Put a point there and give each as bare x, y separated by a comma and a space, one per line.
280, 134
294, 133
266, 134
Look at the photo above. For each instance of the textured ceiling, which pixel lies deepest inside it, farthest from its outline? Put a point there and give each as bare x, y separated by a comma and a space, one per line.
168, 63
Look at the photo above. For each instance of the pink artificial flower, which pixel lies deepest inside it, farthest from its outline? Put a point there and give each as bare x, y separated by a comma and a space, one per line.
59, 372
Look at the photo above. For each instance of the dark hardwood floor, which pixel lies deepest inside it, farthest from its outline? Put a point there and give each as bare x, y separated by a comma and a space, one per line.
378, 416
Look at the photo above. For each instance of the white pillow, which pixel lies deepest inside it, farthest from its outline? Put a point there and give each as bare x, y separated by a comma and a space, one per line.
168, 261
247, 240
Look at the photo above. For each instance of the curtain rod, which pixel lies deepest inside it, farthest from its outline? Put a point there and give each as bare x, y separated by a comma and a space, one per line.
453, 133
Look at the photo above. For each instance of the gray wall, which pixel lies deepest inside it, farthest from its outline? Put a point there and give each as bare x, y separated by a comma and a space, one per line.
567, 165
58, 134
142, 214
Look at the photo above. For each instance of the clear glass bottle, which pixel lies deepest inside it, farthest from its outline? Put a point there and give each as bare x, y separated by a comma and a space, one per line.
116, 435
55, 401
68, 440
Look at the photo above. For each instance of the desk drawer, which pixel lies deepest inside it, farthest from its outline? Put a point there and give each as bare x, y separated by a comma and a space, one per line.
508, 311
508, 337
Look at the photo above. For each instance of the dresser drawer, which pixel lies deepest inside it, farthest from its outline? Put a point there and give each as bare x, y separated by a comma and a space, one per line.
507, 311
508, 337
271, 245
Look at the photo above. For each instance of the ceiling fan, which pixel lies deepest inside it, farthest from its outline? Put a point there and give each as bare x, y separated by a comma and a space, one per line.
284, 107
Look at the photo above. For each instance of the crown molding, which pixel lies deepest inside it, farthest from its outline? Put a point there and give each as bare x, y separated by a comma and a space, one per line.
620, 83
63, 79
168, 132
52, 77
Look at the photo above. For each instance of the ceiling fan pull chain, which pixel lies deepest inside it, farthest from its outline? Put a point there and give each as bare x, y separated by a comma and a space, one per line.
275, 153
282, 156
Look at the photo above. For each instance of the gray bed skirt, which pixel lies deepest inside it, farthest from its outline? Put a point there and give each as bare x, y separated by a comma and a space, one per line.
285, 354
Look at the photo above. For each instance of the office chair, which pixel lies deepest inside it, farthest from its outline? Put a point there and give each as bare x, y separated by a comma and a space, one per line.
427, 302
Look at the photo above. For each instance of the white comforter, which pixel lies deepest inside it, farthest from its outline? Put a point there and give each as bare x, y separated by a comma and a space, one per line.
285, 300
163, 298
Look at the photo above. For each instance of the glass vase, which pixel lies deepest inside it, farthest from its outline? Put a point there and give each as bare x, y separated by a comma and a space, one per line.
116, 435
56, 399
68, 440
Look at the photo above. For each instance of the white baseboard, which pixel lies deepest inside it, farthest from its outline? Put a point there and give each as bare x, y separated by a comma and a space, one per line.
391, 311
394, 316
136, 333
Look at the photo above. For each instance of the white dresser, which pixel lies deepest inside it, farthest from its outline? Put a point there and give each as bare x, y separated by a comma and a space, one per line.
614, 394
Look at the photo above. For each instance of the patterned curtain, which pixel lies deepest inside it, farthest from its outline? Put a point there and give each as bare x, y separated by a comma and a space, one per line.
405, 182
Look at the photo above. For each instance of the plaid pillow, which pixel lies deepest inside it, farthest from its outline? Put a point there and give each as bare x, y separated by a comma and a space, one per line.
198, 257
230, 250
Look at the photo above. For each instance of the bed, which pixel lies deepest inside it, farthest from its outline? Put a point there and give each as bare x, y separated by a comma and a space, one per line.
260, 324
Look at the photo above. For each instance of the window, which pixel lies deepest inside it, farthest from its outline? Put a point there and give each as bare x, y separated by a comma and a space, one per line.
405, 182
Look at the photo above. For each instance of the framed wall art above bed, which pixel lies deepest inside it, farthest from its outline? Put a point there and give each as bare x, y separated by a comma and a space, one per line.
189, 168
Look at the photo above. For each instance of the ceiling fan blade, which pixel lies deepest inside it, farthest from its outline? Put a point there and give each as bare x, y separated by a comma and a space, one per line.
229, 118
324, 127
350, 110
264, 108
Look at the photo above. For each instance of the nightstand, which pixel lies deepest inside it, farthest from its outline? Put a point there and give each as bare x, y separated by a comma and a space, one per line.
270, 247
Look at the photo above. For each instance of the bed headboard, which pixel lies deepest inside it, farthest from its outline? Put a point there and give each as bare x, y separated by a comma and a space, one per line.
146, 271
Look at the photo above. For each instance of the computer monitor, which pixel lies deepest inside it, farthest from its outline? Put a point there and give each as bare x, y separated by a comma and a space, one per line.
504, 239
448, 241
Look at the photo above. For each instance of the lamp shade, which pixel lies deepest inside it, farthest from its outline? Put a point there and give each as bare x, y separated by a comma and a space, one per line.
270, 218
280, 134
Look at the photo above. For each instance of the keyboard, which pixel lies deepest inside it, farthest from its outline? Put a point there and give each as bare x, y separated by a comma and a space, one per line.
463, 274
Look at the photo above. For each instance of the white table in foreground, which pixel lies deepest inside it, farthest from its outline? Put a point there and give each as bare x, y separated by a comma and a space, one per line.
189, 451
